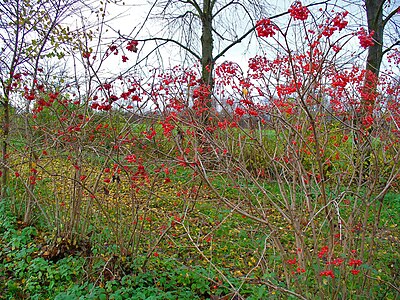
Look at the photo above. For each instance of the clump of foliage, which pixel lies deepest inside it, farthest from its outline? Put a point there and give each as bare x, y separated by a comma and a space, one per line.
275, 182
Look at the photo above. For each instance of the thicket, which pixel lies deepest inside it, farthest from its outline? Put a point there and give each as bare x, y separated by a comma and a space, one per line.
282, 181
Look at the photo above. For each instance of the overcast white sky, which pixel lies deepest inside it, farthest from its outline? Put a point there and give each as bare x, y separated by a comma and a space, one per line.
127, 18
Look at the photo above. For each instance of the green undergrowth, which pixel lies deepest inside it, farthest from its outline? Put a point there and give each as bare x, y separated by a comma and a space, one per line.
25, 273
227, 259
233, 251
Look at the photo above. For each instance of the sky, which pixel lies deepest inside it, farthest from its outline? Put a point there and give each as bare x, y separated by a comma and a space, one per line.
127, 18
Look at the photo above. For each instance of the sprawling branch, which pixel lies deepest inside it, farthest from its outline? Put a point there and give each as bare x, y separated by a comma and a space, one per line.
170, 41
195, 5
251, 30
391, 15
224, 7
397, 43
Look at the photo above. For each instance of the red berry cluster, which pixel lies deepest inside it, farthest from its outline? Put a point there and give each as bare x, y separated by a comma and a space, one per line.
339, 22
132, 46
327, 273
366, 40
298, 11
265, 28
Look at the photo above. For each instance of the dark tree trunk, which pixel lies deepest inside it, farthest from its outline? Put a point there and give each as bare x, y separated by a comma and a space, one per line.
374, 9
375, 23
207, 60
207, 44
4, 147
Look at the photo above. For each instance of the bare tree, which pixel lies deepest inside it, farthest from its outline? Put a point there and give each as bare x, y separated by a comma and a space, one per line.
205, 31
201, 28
30, 33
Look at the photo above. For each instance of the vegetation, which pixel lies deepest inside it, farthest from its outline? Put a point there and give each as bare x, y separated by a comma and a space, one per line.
273, 183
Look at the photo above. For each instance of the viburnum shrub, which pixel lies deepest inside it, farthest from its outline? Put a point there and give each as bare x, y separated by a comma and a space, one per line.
290, 139
300, 148
79, 153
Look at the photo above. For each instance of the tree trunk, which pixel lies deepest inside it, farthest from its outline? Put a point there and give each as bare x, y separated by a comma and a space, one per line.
375, 23
207, 60
207, 44
4, 150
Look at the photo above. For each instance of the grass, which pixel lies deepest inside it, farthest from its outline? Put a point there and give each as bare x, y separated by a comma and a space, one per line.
228, 251
173, 240
26, 274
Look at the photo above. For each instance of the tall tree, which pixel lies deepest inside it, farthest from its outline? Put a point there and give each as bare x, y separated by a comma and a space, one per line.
379, 19
205, 30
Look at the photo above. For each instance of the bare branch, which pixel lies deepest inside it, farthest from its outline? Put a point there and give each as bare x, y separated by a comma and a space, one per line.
389, 16
251, 30
397, 43
224, 7
195, 5
170, 41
